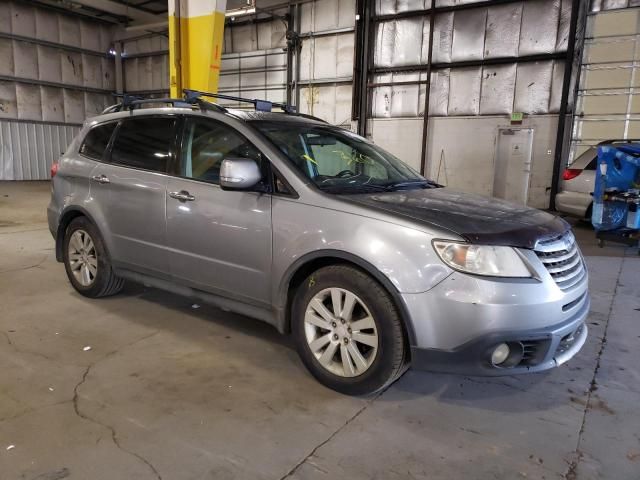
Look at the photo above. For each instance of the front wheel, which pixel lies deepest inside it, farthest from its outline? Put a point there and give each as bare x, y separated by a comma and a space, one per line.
348, 331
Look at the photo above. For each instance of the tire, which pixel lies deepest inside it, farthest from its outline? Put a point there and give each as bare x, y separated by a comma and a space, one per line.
322, 337
87, 262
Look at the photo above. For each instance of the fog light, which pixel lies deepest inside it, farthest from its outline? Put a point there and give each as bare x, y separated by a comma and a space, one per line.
500, 354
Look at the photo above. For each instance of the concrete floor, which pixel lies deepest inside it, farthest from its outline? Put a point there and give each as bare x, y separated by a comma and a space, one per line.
173, 392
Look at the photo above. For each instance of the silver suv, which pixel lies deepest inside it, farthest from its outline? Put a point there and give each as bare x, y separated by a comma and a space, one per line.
319, 232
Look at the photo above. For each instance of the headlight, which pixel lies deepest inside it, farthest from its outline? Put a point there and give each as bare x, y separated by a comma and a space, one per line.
482, 259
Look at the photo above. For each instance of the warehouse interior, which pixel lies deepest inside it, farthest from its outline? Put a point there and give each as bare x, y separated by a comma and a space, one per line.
498, 98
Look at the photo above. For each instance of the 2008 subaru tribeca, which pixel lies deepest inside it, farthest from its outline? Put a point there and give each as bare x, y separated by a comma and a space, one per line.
319, 232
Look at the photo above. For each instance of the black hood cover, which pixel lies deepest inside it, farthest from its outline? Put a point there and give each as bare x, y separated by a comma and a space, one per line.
480, 220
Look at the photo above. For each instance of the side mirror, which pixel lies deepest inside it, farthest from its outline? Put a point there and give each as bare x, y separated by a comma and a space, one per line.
239, 174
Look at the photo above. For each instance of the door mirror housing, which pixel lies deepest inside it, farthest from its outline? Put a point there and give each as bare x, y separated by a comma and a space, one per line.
239, 174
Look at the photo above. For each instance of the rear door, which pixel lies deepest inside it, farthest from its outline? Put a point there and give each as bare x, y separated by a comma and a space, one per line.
220, 241
130, 188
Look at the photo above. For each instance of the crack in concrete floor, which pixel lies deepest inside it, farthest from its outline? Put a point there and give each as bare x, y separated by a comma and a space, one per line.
571, 473
87, 417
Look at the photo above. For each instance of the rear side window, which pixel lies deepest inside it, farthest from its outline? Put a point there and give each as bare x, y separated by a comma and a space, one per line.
592, 164
96, 141
144, 143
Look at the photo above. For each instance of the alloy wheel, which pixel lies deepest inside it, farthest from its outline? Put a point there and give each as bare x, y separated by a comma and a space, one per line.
341, 332
83, 258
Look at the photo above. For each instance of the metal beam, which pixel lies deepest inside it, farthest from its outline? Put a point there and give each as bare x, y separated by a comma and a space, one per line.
472, 63
452, 8
425, 121
361, 66
46, 43
44, 83
119, 9
573, 59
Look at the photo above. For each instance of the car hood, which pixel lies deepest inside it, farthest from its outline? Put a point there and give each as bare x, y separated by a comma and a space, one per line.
478, 219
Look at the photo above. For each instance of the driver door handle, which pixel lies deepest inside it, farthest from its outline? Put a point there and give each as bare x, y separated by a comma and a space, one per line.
182, 195
100, 179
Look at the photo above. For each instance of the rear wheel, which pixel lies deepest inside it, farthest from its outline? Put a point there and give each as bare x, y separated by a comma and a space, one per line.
86, 261
348, 331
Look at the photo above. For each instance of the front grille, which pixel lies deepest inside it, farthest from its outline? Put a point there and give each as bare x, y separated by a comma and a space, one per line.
562, 260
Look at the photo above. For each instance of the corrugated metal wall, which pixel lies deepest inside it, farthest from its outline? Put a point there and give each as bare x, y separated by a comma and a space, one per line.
326, 59
54, 68
468, 105
516, 29
254, 61
28, 149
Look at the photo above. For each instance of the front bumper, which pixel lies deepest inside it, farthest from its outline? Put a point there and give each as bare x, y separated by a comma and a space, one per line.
456, 325
546, 348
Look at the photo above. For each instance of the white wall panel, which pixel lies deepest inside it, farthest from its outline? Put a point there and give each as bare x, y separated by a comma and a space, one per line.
462, 149
49, 64
8, 100
23, 19
69, 28
47, 25
25, 59
6, 57
52, 104
29, 101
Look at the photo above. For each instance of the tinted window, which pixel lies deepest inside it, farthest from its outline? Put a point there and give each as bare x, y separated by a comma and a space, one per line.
96, 141
206, 144
144, 143
592, 164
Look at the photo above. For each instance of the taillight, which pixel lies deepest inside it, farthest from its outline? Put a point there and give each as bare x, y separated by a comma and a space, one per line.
54, 169
571, 173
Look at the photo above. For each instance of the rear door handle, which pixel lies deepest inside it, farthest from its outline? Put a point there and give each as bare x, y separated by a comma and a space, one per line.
100, 179
182, 195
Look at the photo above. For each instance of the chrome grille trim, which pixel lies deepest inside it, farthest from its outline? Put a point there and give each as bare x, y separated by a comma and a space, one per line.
562, 259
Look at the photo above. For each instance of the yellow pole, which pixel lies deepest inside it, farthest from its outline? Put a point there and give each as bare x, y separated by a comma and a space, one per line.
196, 33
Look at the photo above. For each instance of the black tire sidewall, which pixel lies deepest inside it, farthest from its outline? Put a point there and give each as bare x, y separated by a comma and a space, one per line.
104, 266
385, 315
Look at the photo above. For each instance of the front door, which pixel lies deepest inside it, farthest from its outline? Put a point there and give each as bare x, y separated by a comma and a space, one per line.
513, 164
130, 191
219, 241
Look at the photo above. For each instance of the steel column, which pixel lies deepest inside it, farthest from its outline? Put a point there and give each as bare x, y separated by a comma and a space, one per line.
196, 33
363, 51
573, 56
425, 121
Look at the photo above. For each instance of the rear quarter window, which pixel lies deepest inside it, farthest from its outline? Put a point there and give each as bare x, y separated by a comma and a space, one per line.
96, 141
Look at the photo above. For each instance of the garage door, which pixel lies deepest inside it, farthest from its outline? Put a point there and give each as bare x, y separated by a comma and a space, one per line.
608, 104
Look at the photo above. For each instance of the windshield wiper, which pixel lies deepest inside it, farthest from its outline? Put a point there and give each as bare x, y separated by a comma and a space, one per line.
362, 188
412, 183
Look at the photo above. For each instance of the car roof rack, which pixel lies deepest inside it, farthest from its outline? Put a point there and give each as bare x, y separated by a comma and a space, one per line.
260, 105
193, 98
131, 102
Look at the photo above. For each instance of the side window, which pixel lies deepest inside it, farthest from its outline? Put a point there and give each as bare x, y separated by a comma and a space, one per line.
206, 144
96, 141
144, 142
592, 164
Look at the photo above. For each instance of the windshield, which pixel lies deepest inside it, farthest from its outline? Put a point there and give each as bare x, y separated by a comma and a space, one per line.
339, 161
